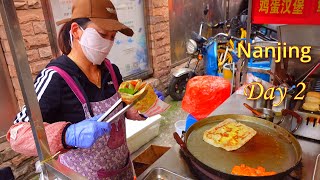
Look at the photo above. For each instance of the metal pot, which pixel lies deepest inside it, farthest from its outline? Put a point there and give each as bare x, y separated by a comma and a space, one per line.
269, 115
272, 147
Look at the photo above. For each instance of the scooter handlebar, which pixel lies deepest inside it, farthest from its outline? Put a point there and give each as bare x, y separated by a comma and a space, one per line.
226, 36
199, 39
217, 25
234, 38
220, 34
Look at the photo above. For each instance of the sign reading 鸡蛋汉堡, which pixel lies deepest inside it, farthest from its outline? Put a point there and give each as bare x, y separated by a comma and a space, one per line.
286, 11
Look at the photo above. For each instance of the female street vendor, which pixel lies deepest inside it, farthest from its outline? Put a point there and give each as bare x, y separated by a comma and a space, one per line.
77, 87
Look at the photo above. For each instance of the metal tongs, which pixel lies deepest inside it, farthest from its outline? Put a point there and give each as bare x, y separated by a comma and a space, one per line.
122, 111
316, 172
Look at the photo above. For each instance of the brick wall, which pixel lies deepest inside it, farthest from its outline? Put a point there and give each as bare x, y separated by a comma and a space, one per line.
159, 41
37, 44
34, 33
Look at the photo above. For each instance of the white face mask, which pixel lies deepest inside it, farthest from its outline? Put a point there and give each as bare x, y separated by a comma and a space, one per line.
94, 47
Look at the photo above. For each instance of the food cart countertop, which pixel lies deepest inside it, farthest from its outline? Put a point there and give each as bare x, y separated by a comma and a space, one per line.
173, 161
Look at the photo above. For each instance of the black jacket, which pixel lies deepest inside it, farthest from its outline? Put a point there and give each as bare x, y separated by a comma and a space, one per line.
57, 101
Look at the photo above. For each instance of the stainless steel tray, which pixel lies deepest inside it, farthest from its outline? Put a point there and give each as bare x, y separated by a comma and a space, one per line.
163, 174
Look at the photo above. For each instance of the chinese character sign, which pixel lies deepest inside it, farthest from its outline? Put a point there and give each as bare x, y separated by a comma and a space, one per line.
286, 11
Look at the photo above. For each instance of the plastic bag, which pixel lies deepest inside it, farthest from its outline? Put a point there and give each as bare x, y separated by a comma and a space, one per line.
204, 94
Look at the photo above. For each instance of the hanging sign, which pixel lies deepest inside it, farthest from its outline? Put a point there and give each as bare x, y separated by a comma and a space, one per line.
286, 12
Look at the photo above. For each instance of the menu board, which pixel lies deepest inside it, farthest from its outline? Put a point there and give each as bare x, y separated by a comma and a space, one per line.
128, 53
61, 9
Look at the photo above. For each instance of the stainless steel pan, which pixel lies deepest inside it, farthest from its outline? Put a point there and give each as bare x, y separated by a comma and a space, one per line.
273, 148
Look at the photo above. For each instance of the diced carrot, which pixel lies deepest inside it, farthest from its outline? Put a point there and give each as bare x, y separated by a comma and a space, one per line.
244, 170
134, 83
258, 171
269, 173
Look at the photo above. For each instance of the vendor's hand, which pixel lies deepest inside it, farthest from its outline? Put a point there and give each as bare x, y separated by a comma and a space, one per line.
133, 114
85, 133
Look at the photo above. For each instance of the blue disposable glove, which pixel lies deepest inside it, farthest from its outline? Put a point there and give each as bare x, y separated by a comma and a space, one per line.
85, 133
159, 94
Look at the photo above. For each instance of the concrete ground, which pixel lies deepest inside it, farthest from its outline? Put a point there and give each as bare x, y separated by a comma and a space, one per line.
167, 128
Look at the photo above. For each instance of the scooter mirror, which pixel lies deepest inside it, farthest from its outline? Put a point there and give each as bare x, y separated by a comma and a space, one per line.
243, 18
206, 10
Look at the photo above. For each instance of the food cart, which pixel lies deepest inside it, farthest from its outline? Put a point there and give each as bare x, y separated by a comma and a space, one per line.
173, 163
136, 65
189, 160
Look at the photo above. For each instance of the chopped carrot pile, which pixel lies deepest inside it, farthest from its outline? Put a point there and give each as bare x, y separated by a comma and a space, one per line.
244, 170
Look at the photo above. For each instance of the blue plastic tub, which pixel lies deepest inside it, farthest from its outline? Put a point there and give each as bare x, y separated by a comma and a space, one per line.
190, 121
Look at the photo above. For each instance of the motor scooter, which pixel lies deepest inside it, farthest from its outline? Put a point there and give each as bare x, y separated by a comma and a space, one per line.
196, 48
200, 49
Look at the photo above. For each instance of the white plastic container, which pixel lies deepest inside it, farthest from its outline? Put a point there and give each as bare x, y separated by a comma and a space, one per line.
141, 132
180, 126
